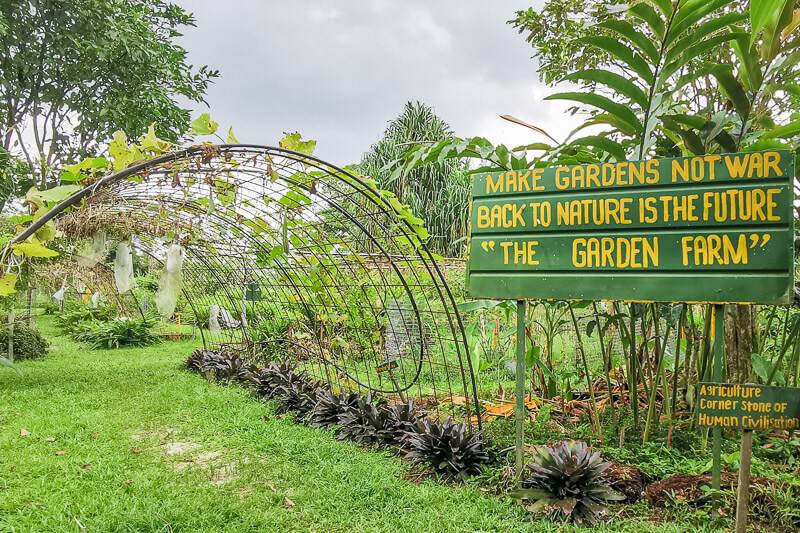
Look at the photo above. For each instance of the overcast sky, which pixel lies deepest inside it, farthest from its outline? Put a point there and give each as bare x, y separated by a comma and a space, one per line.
337, 72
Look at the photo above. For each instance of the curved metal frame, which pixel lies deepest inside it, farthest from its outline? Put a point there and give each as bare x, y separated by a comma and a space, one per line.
351, 201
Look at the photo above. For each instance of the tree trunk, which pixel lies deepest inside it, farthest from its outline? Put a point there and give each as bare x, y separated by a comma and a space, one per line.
740, 341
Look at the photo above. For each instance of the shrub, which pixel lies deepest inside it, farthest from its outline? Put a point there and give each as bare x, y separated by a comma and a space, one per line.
222, 366
78, 320
28, 342
403, 419
117, 333
330, 405
449, 449
366, 423
566, 481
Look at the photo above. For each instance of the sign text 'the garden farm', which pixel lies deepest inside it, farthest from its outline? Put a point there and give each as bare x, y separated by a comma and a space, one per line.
713, 228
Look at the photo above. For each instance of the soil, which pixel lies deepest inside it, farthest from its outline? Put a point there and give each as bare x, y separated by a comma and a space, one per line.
627, 480
685, 488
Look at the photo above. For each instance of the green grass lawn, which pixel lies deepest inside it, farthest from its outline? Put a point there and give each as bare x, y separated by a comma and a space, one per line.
125, 440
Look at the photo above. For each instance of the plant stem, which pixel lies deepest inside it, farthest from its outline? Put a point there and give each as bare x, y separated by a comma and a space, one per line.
588, 375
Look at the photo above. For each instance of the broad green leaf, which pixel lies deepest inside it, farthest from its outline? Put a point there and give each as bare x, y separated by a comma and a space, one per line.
622, 52
766, 144
646, 13
763, 14
624, 113
532, 146
33, 249
46, 232
152, 143
733, 91
784, 132
694, 51
724, 139
604, 143
7, 283
689, 15
292, 142
231, 139
123, 154
665, 6
607, 118
701, 72
614, 81
4, 361
474, 305
701, 32
636, 37
690, 139
203, 125
764, 368
751, 75
54, 195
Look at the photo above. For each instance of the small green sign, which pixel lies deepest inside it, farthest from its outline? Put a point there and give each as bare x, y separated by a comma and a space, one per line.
389, 365
252, 293
712, 228
748, 406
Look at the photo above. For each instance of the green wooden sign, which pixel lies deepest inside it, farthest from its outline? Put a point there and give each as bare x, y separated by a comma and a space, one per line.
252, 293
748, 406
384, 367
713, 228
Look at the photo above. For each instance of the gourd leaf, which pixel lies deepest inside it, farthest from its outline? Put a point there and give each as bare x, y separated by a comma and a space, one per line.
7, 283
203, 125
54, 195
33, 249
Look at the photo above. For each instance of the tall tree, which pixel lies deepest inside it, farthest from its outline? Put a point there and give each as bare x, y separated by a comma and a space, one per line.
72, 73
437, 193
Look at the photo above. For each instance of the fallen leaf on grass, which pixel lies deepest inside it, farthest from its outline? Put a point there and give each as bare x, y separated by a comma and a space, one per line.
287, 503
61, 452
50, 439
136, 450
85, 467
127, 481
24, 432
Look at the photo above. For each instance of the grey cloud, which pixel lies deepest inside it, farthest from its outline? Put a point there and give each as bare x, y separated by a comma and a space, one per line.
339, 71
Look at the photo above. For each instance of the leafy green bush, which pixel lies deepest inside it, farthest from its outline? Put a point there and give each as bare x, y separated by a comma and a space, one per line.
566, 481
77, 321
28, 343
117, 333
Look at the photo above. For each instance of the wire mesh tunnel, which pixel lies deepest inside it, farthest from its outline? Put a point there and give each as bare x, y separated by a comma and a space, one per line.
288, 257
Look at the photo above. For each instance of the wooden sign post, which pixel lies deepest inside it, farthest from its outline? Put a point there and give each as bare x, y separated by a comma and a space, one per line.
745, 407
715, 228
